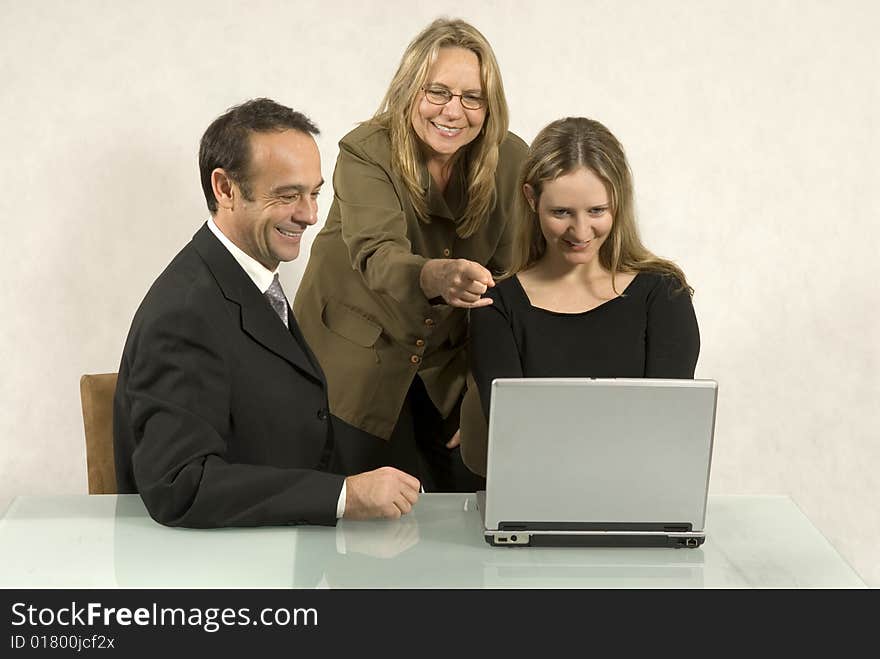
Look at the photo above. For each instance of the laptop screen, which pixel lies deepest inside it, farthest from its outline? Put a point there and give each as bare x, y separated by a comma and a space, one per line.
615, 454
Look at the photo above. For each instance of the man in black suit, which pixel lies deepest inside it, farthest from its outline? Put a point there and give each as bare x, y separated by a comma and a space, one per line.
221, 414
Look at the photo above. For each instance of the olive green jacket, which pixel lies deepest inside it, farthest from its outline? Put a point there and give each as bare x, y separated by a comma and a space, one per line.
360, 304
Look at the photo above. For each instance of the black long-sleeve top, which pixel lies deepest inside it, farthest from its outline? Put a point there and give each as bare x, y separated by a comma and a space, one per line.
650, 331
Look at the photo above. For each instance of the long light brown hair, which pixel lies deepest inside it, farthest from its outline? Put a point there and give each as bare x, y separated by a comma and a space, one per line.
561, 148
481, 157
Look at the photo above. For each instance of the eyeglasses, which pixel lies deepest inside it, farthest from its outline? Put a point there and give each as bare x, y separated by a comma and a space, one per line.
442, 96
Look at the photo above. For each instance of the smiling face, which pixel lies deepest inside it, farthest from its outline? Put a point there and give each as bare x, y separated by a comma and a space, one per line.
284, 179
444, 129
574, 215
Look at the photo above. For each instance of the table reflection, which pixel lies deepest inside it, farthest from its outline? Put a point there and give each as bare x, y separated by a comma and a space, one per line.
438, 545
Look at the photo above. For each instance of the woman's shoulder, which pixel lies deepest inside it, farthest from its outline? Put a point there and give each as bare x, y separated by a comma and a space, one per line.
648, 279
507, 295
369, 139
660, 286
511, 154
513, 146
505, 303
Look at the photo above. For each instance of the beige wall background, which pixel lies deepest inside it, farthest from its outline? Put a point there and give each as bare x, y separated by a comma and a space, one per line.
752, 129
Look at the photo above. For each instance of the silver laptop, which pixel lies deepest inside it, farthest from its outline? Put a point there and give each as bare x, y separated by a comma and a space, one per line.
598, 462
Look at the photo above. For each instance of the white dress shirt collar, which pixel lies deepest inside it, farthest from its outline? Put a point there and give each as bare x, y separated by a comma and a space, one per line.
259, 274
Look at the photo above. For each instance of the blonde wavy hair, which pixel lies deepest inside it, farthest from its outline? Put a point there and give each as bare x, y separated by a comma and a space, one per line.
561, 148
481, 157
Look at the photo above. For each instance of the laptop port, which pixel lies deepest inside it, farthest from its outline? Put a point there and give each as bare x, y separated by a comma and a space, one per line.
517, 539
691, 542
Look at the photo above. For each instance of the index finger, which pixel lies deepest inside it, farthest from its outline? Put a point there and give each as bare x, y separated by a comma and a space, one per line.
476, 272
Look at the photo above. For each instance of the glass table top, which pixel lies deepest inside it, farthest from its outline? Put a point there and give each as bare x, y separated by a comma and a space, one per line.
110, 541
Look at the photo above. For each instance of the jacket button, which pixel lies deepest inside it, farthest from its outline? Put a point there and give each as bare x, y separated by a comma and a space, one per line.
429, 322
420, 343
322, 414
446, 252
415, 359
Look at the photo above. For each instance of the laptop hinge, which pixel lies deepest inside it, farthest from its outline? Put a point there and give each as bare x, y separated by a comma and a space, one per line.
668, 527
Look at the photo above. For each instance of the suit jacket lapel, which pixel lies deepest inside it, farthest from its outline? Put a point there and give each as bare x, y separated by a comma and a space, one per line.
301, 340
258, 319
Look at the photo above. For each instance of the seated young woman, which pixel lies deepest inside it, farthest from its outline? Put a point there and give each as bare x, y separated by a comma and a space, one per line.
583, 297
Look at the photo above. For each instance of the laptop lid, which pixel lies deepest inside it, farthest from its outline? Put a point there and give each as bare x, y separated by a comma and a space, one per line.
609, 455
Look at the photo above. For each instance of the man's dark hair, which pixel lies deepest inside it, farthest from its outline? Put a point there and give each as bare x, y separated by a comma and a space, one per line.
226, 143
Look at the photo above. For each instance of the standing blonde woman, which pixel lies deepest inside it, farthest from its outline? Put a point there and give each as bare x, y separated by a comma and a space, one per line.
418, 229
583, 296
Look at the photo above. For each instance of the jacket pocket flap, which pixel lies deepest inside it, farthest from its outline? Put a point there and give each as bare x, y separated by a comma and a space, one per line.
350, 324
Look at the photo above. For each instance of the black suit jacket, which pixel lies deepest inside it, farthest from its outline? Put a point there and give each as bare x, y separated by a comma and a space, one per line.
220, 415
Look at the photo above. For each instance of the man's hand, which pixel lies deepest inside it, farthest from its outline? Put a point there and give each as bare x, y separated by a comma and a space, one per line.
460, 282
385, 492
